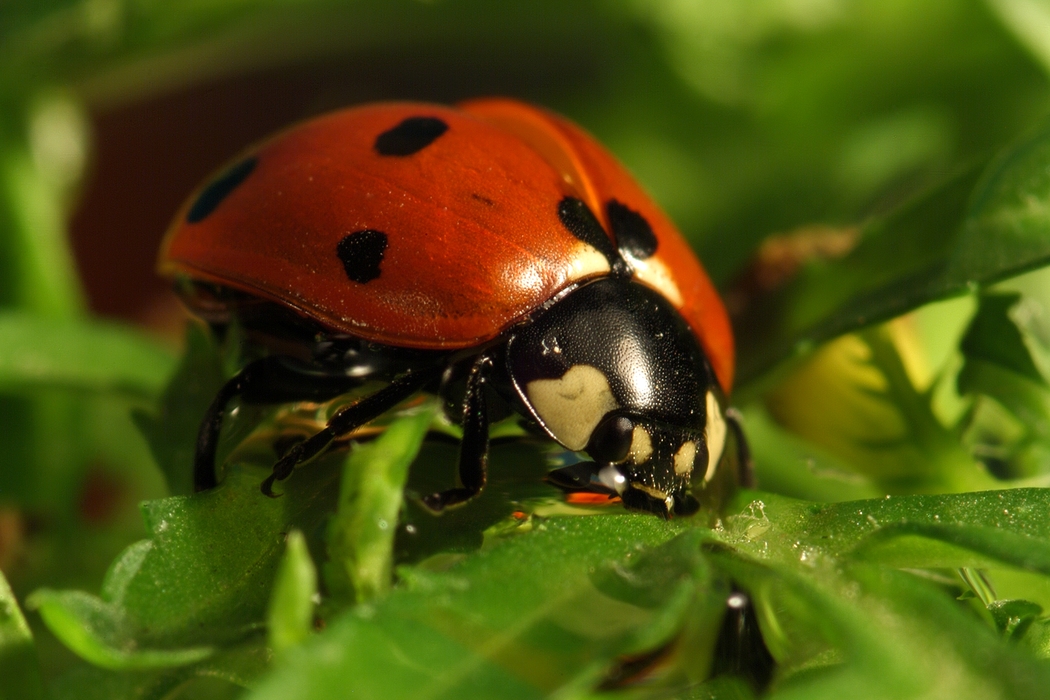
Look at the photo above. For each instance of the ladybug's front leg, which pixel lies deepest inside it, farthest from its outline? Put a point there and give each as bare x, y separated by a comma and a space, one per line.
474, 449
745, 465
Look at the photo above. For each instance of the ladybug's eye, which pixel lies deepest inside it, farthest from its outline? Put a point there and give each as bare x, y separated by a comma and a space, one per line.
611, 440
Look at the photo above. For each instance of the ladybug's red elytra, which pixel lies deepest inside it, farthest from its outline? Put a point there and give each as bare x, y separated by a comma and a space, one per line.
493, 254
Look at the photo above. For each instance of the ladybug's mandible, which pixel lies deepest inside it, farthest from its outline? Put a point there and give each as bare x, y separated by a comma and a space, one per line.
493, 254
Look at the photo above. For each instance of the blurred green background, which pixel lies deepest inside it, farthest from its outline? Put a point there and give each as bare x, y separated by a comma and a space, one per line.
744, 118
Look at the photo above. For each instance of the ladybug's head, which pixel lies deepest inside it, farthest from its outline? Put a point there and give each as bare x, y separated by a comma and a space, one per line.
611, 369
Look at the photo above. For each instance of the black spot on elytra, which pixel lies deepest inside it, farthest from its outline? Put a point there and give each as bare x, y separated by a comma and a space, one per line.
361, 253
633, 233
220, 188
483, 199
410, 136
581, 222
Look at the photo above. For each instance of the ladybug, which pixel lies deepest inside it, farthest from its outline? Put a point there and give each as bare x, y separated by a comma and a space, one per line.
493, 254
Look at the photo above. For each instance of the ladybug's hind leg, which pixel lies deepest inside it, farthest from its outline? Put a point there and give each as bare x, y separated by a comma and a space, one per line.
474, 449
271, 379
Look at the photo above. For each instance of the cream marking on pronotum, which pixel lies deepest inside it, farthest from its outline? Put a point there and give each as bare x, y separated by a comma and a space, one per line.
571, 407
654, 273
588, 262
716, 435
641, 446
683, 458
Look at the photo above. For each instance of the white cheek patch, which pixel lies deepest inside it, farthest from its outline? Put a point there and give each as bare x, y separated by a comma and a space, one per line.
684, 458
716, 435
641, 446
572, 406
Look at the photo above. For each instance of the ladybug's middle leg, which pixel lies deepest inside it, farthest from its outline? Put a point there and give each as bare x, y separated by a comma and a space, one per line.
349, 419
474, 448
271, 379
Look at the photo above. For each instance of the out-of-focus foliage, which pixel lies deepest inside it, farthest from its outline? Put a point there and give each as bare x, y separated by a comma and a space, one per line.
895, 151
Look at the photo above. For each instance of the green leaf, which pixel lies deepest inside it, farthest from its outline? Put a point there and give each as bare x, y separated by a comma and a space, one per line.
93, 356
538, 612
40, 275
215, 554
517, 468
100, 630
994, 338
839, 628
219, 676
172, 430
201, 581
915, 545
361, 535
19, 667
856, 399
898, 265
1008, 523
1028, 401
291, 615
1014, 617
998, 364
975, 229
791, 466
100, 633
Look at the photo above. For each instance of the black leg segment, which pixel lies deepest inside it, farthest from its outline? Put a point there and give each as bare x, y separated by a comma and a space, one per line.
272, 379
349, 419
474, 449
745, 465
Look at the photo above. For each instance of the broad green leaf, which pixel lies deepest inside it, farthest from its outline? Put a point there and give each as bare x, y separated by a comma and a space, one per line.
722, 688
223, 675
996, 523
202, 580
361, 535
1037, 638
215, 554
99, 630
100, 633
19, 668
536, 613
94, 356
944, 629
93, 683
290, 619
912, 545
